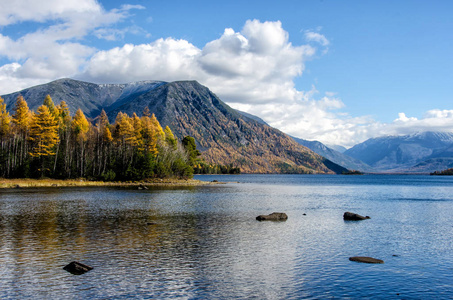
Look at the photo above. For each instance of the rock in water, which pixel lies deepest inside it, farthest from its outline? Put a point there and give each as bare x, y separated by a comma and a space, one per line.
273, 217
77, 268
349, 216
366, 259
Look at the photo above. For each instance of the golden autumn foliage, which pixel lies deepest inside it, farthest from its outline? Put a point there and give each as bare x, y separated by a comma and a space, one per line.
43, 133
22, 115
80, 125
5, 119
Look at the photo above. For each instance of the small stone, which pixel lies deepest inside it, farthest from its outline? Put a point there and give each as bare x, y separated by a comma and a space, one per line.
77, 268
304, 214
366, 259
151, 223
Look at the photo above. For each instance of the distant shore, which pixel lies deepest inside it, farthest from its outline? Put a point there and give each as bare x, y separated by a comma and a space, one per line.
28, 183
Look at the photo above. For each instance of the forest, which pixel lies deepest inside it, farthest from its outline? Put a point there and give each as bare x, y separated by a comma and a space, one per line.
51, 143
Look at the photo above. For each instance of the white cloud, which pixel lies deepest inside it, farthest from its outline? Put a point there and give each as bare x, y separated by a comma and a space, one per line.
167, 59
311, 36
30, 10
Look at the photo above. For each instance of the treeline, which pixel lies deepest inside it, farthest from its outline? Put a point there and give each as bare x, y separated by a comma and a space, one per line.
51, 143
444, 172
204, 168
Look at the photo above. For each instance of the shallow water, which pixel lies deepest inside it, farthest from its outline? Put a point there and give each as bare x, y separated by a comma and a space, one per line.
206, 244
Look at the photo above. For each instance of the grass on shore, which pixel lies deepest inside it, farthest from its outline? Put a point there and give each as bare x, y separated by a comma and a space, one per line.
27, 182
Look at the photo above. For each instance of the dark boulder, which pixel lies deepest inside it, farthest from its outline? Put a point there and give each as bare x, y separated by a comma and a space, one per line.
273, 217
366, 259
77, 268
349, 216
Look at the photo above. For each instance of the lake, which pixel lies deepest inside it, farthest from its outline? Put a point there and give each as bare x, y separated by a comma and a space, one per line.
204, 242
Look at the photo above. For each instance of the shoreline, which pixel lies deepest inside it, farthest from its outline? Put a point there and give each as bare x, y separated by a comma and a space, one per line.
48, 183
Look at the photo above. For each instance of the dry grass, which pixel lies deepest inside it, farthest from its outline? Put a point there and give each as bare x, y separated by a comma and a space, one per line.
26, 182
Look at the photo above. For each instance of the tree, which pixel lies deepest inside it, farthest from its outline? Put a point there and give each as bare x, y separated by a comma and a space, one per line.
146, 112
21, 116
21, 121
49, 103
189, 144
5, 132
5, 120
43, 133
80, 127
170, 138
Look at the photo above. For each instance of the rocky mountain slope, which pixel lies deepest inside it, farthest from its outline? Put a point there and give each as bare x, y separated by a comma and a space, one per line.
422, 152
224, 135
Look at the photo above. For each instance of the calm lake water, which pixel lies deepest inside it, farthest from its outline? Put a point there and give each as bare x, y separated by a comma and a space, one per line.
206, 243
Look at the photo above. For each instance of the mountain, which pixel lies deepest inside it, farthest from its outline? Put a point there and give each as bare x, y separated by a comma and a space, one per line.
224, 135
420, 152
335, 156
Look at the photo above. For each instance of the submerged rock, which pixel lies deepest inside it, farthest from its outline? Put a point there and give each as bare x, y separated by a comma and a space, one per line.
77, 268
366, 259
349, 216
275, 216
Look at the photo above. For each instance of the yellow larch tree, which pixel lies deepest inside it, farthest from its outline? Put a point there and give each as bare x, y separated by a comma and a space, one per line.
80, 127
5, 120
21, 120
138, 138
22, 115
43, 133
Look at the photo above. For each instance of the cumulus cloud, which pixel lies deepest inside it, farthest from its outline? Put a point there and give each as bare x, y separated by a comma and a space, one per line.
165, 59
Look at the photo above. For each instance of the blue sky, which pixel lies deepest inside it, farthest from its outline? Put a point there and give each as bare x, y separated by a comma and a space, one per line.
335, 71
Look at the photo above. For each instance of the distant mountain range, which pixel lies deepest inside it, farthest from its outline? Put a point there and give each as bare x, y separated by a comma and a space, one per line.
224, 135
421, 152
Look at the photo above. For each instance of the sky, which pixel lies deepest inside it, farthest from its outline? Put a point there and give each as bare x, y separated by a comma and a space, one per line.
335, 71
